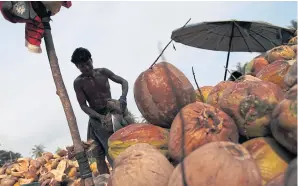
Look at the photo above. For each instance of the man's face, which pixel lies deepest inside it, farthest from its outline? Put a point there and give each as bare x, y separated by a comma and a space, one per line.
86, 68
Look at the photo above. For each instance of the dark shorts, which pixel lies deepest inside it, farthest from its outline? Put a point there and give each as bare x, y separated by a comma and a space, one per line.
100, 135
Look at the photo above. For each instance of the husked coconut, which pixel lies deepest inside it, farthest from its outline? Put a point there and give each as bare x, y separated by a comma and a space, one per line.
218, 164
251, 104
161, 92
269, 156
201, 123
205, 90
216, 92
284, 124
141, 165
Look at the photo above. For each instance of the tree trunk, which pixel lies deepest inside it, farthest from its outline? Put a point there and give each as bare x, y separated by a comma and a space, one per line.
62, 93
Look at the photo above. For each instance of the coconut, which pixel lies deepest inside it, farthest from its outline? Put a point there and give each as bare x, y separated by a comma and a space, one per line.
161, 92
251, 104
218, 163
255, 65
283, 52
290, 79
284, 124
205, 92
275, 72
216, 92
265, 151
202, 123
141, 164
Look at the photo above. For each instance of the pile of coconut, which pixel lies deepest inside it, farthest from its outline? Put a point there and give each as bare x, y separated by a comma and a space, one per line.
236, 133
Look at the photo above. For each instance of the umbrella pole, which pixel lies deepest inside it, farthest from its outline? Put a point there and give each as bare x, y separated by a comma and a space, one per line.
81, 157
230, 45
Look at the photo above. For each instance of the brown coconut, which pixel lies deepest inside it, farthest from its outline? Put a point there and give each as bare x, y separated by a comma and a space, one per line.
218, 163
275, 72
161, 92
291, 174
251, 104
247, 78
290, 79
202, 123
265, 151
284, 125
141, 164
277, 181
283, 52
255, 65
216, 92
205, 92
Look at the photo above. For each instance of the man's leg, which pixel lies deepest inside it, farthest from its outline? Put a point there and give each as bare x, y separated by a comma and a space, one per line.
98, 152
99, 155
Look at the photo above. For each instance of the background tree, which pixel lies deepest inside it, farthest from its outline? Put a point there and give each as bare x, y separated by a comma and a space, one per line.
143, 120
37, 150
8, 156
58, 149
293, 24
241, 67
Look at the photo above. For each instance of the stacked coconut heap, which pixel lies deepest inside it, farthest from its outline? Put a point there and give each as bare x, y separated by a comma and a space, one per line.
49, 169
241, 133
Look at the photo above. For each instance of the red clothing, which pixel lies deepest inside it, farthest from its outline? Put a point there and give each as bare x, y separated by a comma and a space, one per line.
34, 28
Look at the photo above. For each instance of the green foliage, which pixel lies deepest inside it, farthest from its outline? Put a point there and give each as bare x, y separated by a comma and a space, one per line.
8, 156
37, 150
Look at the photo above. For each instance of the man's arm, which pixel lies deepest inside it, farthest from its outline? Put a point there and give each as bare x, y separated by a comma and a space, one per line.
83, 101
117, 79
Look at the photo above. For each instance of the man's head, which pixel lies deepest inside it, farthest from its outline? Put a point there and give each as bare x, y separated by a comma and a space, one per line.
81, 57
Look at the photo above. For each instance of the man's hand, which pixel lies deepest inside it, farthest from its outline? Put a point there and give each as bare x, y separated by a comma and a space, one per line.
123, 103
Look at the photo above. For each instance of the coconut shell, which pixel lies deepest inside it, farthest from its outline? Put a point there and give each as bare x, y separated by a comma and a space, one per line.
275, 72
218, 163
161, 92
141, 164
62, 153
8, 182
205, 92
294, 48
251, 104
138, 133
290, 79
216, 92
47, 156
255, 65
203, 123
293, 41
291, 174
284, 125
41, 160
265, 151
277, 181
283, 52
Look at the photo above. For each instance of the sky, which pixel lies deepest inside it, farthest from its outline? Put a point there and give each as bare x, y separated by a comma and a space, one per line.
123, 37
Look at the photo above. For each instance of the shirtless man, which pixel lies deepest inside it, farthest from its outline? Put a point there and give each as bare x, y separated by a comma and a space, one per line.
93, 86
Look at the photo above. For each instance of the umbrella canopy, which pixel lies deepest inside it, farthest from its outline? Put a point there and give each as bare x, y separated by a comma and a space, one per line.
233, 36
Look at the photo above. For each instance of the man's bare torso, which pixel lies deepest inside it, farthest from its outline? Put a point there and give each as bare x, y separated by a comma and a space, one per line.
96, 89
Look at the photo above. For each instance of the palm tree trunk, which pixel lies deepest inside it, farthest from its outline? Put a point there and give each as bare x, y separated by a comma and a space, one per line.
71, 119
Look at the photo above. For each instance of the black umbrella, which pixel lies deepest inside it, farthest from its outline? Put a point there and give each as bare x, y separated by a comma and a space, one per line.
233, 36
